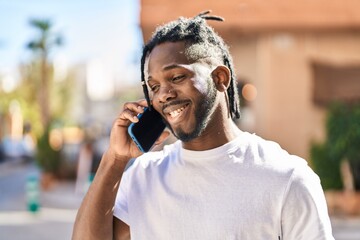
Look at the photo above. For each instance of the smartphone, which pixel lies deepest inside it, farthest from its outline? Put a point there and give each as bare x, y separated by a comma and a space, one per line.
147, 130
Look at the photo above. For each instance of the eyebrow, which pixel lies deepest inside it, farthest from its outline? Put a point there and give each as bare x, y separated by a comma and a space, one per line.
167, 68
172, 66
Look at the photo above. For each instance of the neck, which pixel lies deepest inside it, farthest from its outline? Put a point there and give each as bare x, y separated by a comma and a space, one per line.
217, 133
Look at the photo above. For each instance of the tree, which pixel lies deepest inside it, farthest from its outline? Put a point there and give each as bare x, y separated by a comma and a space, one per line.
341, 143
42, 46
39, 72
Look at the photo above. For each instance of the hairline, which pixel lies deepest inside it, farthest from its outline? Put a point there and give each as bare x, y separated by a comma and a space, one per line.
209, 60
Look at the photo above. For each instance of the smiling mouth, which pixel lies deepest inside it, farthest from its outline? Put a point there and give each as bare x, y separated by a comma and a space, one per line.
175, 109
176, 112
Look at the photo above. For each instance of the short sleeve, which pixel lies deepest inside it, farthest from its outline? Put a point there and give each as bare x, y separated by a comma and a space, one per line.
304, 214
121, 204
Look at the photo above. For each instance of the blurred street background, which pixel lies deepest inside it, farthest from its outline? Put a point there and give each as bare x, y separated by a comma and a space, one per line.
67, 67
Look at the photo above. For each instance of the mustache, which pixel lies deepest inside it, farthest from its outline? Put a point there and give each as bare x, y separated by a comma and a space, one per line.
174, 102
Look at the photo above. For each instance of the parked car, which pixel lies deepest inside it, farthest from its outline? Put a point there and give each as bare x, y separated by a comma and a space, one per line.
23, 148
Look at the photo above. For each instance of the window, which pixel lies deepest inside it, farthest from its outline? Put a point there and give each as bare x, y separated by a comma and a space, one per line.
336, 83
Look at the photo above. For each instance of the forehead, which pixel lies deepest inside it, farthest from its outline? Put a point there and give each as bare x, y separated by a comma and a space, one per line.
168, 53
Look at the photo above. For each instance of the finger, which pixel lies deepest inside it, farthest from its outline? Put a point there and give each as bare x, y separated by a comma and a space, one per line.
143, 102
136, 107
130, 115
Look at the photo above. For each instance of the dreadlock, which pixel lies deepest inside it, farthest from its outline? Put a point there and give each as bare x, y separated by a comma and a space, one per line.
201, 41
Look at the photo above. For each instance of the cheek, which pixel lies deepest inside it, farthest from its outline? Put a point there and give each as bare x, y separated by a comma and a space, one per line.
201, 79
156, 106
151, 96
201, 86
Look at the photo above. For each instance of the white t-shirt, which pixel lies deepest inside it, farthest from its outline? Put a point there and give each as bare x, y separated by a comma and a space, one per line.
248, 188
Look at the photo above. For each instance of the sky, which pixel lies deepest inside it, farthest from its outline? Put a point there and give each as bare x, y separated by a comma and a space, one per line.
93, 30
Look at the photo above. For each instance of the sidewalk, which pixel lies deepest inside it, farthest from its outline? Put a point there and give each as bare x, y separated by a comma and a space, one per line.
346, 228
55, 218
61, 195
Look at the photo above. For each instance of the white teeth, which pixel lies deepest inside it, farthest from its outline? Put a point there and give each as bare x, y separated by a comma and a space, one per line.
176, 112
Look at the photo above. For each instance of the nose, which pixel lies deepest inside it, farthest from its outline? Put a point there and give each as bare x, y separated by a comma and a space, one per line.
166, 94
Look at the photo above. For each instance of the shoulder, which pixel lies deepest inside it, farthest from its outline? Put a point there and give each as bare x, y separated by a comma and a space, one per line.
272, 158
301, 178
270, 152
269, 157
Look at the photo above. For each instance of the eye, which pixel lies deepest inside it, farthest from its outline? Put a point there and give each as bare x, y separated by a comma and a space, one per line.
154, 88
178, 78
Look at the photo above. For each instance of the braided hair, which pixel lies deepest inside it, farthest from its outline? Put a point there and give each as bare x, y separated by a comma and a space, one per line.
201, 41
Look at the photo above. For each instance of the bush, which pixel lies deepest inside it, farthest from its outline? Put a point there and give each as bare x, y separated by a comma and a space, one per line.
327, 166
342, 142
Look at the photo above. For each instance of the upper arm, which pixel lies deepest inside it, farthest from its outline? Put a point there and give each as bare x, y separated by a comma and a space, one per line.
305, 213
121, 230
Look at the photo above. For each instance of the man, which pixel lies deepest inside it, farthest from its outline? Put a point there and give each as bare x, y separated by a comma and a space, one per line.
216, 182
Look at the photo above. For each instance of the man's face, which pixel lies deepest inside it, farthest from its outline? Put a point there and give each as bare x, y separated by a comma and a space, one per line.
182, 91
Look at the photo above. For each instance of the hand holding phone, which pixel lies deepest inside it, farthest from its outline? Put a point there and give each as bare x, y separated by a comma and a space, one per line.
147, 130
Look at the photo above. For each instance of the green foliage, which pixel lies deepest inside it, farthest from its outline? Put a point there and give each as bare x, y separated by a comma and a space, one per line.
342, 142
41, 47
343, 129
47, 39
327, 166
47, 158
29, 109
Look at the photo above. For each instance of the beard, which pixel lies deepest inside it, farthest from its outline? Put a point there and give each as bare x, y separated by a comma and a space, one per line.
203, 112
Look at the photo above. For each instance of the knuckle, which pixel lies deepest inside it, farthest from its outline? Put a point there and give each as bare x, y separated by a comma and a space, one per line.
126, 105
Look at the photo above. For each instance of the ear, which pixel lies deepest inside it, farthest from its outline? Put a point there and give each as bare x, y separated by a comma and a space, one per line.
221, 77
